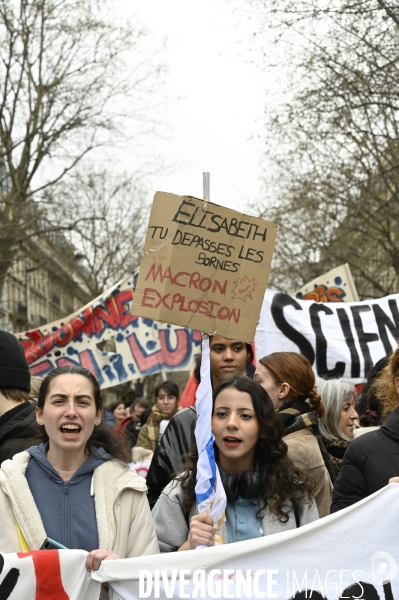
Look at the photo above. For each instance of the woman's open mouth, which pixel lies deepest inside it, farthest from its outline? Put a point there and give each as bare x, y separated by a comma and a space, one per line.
232, 442
70, 430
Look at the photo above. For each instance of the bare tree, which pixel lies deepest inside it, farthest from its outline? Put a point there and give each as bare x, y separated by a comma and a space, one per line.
114, 214
336, 158
69, 80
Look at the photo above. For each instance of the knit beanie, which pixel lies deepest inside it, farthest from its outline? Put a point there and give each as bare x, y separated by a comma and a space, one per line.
14, 369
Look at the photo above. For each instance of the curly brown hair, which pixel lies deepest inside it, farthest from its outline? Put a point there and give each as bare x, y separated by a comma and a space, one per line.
385, 387
280, 481
295, 369
368, 406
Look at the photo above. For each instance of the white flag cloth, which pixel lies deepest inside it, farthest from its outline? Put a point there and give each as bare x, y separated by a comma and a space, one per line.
47, 575
209, 489
326, 557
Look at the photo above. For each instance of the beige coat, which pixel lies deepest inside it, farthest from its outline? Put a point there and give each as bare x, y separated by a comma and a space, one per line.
143, 441
122, 510
304, 452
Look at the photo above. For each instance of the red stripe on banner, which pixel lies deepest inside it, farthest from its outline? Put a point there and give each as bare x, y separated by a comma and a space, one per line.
48, 574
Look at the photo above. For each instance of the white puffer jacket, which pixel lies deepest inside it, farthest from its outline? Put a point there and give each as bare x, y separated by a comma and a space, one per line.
122, 511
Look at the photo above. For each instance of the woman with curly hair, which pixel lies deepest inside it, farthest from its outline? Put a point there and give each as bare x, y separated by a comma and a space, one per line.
265, 493
289, 380
372, 459
368, 406
337, 426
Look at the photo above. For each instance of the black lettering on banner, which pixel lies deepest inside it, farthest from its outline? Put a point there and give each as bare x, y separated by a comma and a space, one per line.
321, 343
350, 341
9, 582
280, 301
384, 322
387, 589
364, 337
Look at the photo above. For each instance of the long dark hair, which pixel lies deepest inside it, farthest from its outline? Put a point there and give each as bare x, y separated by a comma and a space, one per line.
101, 436
280, 481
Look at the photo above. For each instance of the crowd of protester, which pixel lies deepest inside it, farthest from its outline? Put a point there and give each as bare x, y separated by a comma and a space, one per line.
289, 450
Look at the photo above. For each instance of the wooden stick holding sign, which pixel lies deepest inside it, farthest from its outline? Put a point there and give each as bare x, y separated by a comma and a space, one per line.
207, 270
206, 183
209, 490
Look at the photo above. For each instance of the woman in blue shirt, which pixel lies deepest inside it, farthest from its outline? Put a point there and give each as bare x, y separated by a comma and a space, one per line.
265, 493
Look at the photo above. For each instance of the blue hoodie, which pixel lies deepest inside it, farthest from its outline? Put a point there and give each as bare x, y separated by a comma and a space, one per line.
66, 508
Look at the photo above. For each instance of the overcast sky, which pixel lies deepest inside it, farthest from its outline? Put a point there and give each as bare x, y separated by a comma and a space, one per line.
214, 124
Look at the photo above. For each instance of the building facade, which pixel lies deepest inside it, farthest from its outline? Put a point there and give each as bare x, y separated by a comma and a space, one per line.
46, 283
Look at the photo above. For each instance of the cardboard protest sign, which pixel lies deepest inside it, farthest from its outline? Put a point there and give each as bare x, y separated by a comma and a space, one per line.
204, 269
335, 286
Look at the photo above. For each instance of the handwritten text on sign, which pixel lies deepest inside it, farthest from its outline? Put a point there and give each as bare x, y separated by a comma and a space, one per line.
206, 270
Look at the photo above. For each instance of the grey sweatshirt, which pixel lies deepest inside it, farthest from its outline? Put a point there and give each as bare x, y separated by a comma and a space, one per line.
66, 508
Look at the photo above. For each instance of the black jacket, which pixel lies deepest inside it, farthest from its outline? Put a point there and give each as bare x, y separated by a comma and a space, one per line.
175, 442
368, 464
18, 430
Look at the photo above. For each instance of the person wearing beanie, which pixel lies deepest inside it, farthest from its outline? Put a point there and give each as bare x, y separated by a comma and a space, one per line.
18, 426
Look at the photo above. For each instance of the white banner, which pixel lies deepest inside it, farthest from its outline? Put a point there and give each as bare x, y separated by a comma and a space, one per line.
142, 346
351, 554
47, 575
339, 339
